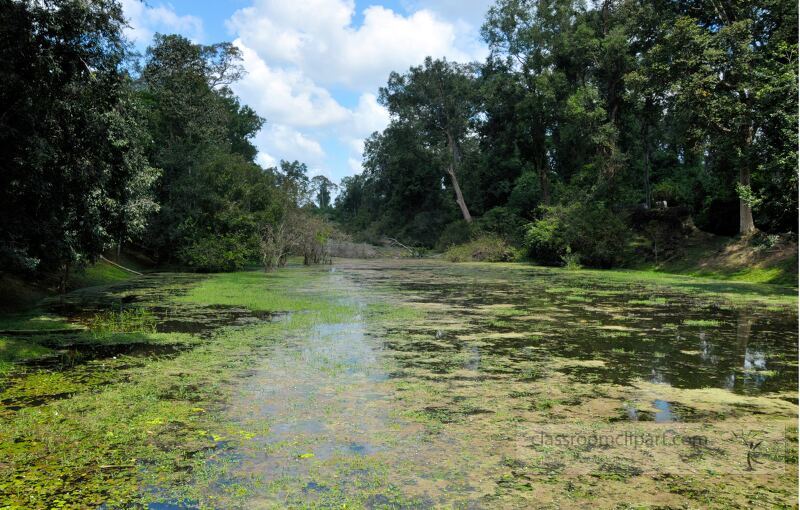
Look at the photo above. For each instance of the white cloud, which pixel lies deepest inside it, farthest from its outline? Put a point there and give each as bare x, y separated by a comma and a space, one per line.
286, 143
318, 38
285, 96
355, 166
144, 21
298, 53
266, 160
370, 115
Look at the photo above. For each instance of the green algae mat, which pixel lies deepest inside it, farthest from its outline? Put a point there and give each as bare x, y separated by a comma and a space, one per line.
403, 384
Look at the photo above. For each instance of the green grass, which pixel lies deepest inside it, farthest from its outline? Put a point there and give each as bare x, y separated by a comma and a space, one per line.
733, 291
15, 350
272, 292
101, 273
33, 321
648, 302
699, 260
134, 320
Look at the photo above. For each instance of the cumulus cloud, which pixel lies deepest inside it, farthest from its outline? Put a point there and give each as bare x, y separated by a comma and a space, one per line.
301, 56
318, 38
144, 21
282, 142
285, 96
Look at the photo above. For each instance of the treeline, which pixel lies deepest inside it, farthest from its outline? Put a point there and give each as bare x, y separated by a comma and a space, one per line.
105, 148
585, 119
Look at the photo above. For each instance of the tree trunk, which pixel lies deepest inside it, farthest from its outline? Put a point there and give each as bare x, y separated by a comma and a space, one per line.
451, 171
459, 196
544, 183
647, 198
746, 224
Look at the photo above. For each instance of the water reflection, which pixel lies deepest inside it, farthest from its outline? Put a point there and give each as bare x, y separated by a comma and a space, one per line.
670, 338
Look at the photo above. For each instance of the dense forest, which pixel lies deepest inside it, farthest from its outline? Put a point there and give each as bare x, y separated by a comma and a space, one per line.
589, 126
108, 148
583, 121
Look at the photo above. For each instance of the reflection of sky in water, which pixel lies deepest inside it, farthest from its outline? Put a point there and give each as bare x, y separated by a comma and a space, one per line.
754, 360
474, 360
664, 411
658, 377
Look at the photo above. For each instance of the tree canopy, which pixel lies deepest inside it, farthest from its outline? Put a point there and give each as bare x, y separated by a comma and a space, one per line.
594, 110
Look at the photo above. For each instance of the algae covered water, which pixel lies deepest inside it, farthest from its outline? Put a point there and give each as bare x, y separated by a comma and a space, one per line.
411, 384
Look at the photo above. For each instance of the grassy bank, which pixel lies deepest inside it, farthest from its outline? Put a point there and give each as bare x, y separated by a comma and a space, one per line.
755, 259
18, 293
759, 258
732, 292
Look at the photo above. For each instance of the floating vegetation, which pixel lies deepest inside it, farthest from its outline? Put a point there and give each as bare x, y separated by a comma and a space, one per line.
703, 323
398, 384
128, 320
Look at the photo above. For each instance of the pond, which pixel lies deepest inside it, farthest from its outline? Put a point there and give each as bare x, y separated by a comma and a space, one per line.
423, 384
451, 403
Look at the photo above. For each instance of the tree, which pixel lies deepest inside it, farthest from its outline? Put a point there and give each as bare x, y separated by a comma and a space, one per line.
205, 150
74, 176
293, 180
439, 99
597, 108
727, 64
322, 187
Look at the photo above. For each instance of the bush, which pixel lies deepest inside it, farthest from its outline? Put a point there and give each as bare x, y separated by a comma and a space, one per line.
545, 240
572, 261
455, 233
503, 222
217, 254
483, 249
590, 233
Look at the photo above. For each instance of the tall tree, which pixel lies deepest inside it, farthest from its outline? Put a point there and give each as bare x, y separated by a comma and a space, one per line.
323, 187
726, 64
74, 177
199, 124
438, 98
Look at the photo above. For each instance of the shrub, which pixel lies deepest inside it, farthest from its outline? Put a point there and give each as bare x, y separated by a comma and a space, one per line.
544, 238
503, 222
217, 254
455, 233
591, 230
485, 248
572, 261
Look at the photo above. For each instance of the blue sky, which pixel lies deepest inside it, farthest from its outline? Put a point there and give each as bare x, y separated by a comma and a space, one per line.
314, 66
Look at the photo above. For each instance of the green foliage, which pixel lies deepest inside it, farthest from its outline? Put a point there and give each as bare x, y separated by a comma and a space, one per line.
590, 234
545, 240
485, 248
75, 177
571, 261
215, 254
213, 196
617, 103
503, 222
457, 232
